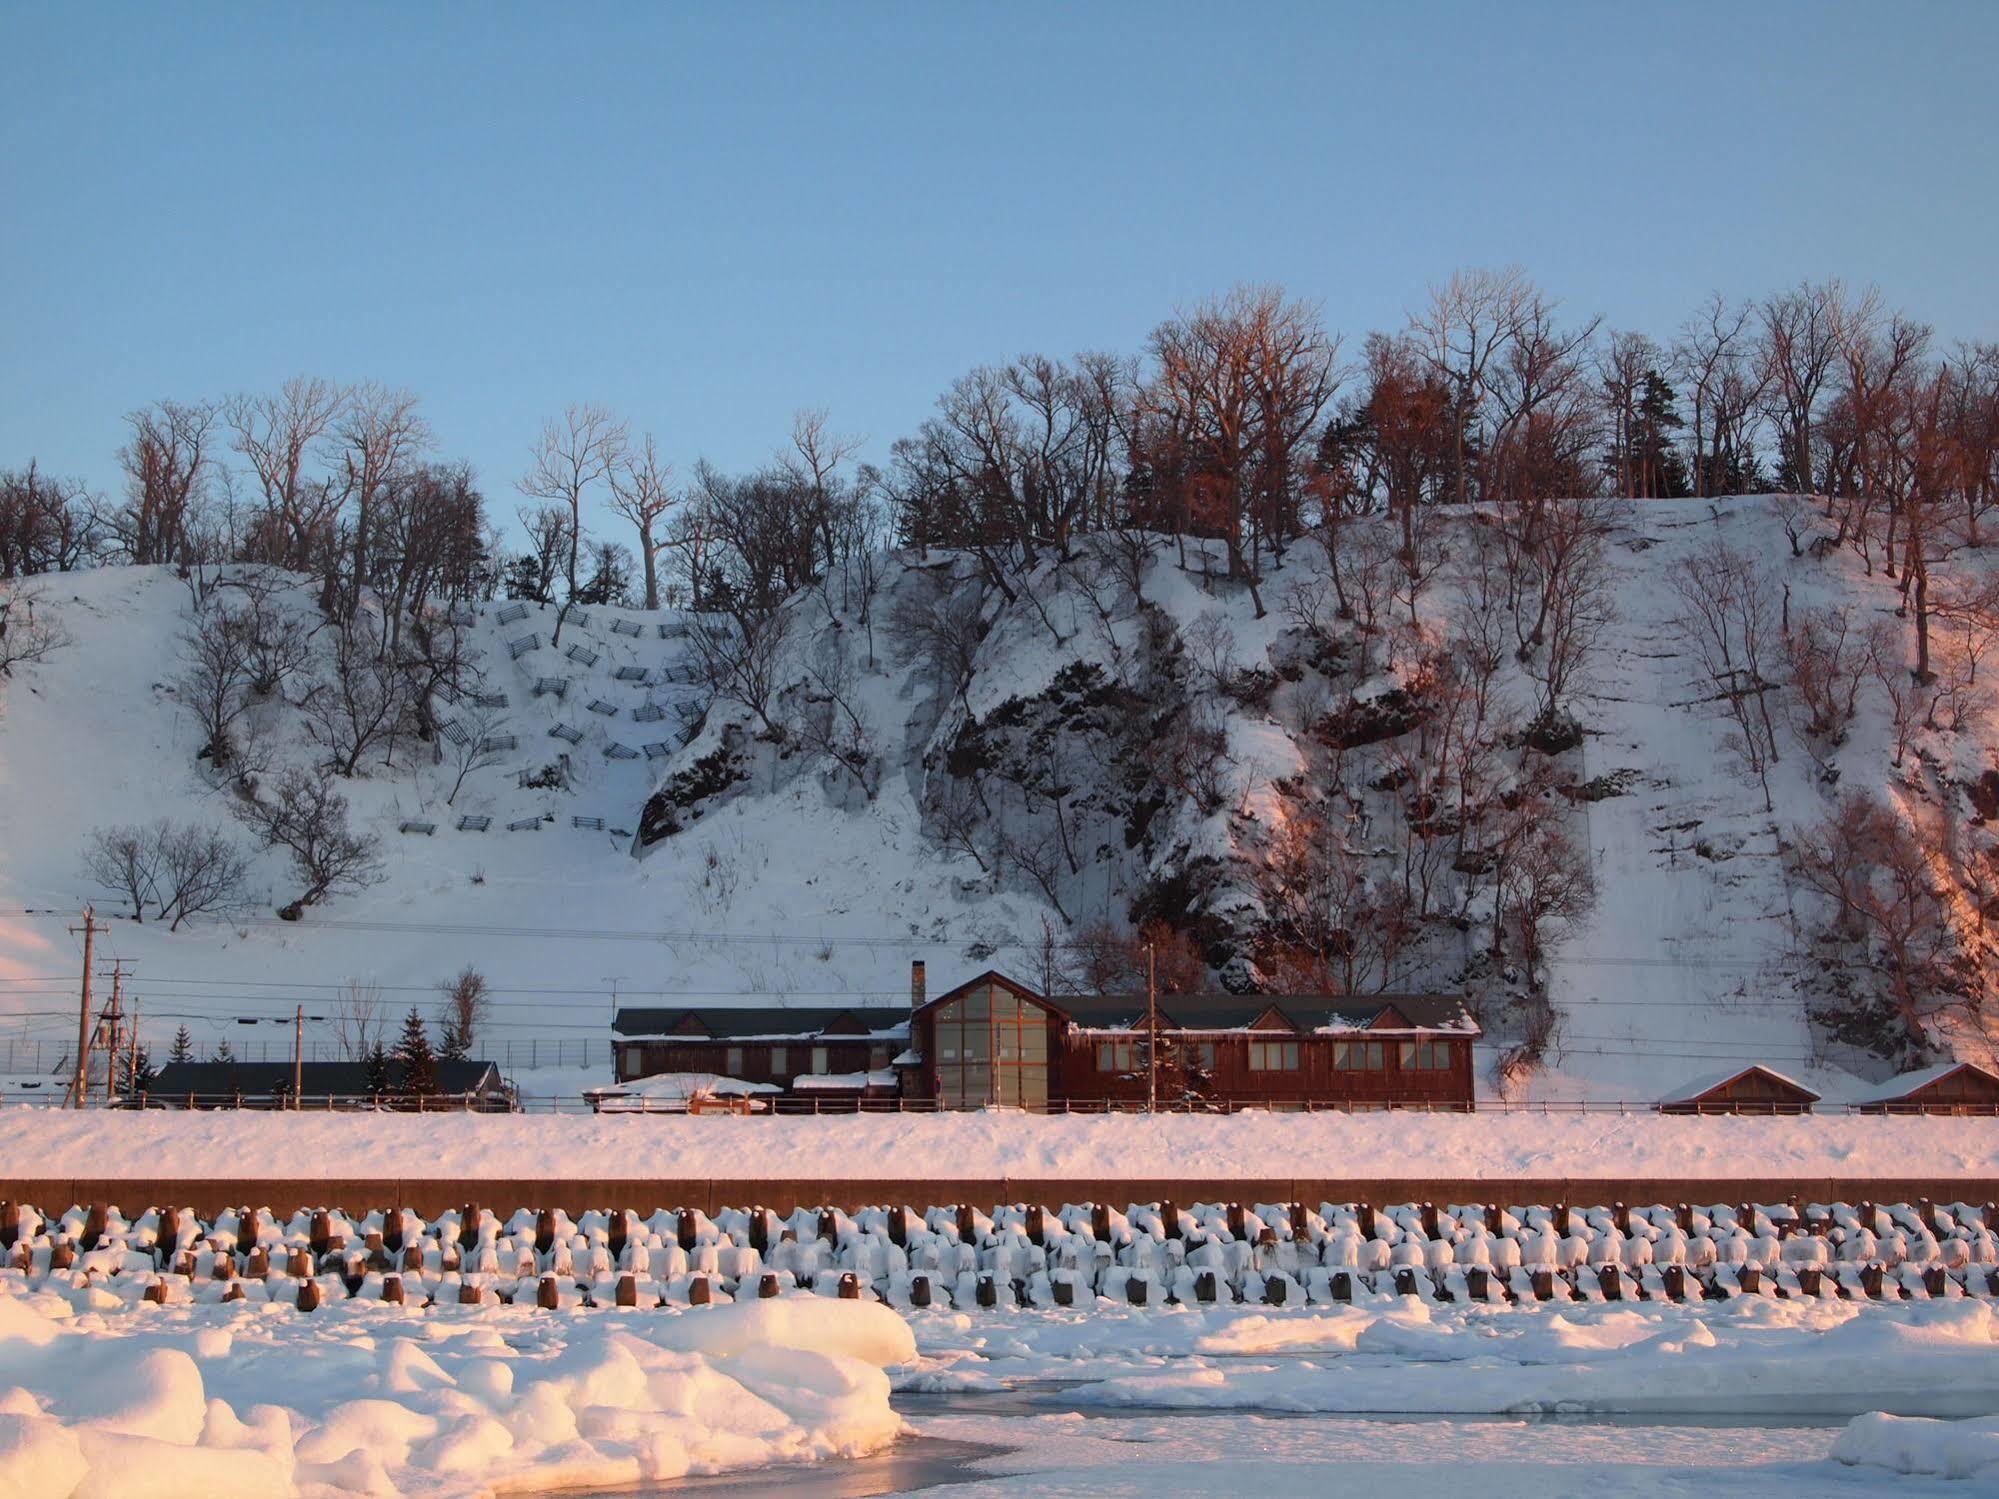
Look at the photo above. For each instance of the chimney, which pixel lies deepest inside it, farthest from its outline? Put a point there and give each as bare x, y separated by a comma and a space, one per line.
916, 984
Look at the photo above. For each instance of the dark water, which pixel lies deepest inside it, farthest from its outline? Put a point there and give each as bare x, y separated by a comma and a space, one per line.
911, 1464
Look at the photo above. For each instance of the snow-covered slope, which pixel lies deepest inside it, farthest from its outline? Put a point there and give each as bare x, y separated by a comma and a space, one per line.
776, 870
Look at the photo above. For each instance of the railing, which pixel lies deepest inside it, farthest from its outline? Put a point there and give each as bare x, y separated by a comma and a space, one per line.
793, 1107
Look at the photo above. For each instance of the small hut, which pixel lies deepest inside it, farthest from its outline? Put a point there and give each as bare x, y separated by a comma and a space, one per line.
1947, 1088
1754, 1089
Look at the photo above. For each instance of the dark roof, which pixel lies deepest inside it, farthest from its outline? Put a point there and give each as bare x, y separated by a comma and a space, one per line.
1227, 1012
779, 1022
1302, 1012
340, 1079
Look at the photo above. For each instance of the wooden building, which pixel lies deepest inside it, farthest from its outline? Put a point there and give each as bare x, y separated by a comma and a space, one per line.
993, 1040
1947, 1088
1754, 1089
834, 1055
336, 1085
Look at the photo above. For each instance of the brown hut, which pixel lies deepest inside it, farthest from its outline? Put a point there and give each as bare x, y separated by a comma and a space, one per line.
1947, 1088
1754, 1089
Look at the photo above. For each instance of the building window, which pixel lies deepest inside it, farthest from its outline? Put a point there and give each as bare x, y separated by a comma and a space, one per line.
732, 1061
819, 1060
877, 1058
1359, 1056
1202, 1055
777, 1061
1426, 1056
1273, 1056
1116, 1056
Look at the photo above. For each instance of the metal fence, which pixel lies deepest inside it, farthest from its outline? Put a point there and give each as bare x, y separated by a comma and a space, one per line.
29, 1056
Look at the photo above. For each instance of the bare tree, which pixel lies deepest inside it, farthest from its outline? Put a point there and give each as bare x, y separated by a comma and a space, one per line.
124, 860
467, 1002
1240, 384
1711, 357
278, 436
1878, 876
1727, 622
475, 747
833, 721
215, 683
167, 463
380, 436
1887, 659
47, 524
200, 871
307, 818
1469, 323
364, 703
939, 625
572, 455
640, 494
1829, 661
358, 1022
741, 658
183, 869
1799, 350
27, 638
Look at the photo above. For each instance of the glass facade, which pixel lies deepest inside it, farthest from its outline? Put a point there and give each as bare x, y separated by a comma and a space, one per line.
991, 1047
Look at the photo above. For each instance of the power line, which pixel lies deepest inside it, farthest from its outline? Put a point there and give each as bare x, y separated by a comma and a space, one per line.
903, 941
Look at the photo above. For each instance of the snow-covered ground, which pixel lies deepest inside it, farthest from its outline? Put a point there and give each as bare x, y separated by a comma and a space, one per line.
102, 1395
376, 1399
41, 1144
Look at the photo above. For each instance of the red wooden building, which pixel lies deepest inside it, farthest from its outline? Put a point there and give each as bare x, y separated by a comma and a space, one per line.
993, 1040
1753, 1089
1948, 1088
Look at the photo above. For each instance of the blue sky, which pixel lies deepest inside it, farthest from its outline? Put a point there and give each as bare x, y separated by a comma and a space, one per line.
708, 217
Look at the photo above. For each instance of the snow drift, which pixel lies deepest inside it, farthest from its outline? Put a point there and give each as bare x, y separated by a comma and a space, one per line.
460, 1401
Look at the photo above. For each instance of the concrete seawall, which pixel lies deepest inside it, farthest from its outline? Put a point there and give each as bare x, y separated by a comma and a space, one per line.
430, 1196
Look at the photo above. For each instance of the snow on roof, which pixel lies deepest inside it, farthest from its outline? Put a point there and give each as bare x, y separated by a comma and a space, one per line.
814, 1082
1903, 1084
678, 1087
1689, 1091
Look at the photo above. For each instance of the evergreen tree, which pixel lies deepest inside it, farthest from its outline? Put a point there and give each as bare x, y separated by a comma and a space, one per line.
1661, 471
419, 1061
378, 1070
224, 1052
610, 580
183, 1047
453, 1045
522, 578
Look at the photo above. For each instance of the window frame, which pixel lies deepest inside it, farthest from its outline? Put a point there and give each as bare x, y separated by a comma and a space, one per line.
1286, 1053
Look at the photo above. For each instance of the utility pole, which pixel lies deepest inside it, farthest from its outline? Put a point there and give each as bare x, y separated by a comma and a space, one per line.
298, 1053
114, 1019
132, 1062
78, 1089
1151, 1030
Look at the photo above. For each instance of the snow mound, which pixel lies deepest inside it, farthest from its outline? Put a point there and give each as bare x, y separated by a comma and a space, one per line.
217, 1400
1917, 1445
